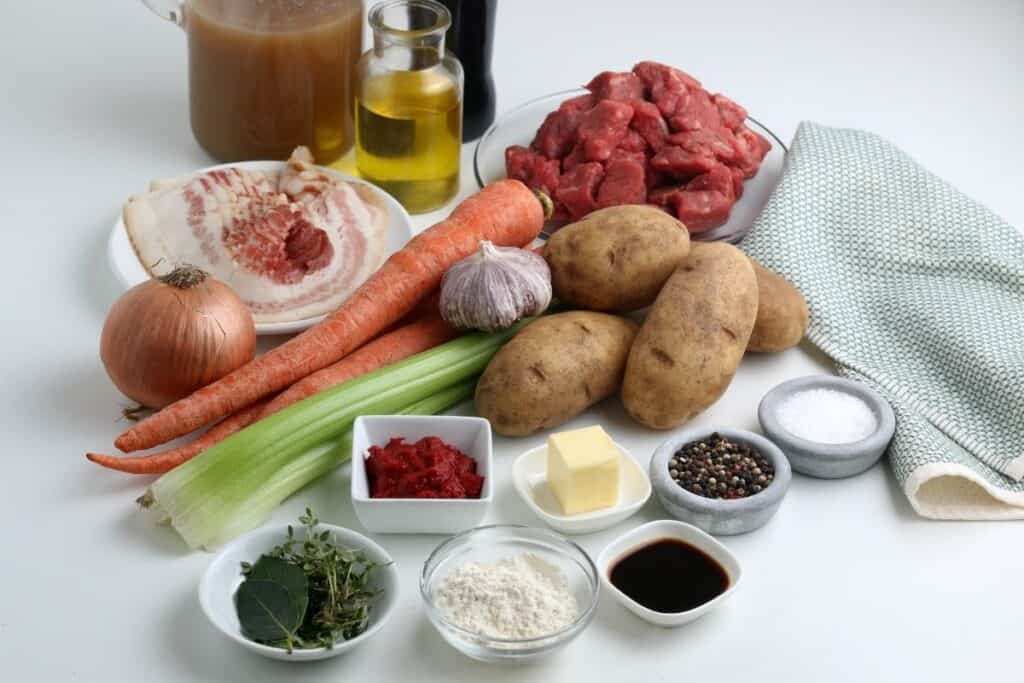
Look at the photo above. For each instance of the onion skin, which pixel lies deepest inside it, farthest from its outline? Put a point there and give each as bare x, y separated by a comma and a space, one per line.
168, 337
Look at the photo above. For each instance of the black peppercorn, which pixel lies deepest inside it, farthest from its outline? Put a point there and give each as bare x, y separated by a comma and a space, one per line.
716, 467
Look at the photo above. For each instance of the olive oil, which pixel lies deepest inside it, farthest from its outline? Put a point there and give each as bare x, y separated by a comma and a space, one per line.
409, 136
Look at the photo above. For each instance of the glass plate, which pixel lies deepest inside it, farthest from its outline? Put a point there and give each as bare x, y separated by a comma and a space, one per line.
518, 126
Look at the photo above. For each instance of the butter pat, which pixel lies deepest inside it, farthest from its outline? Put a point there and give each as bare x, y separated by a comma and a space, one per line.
583, 470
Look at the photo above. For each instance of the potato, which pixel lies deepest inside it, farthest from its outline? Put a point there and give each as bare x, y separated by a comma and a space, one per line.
553, 370
616, 259
781, 313
694, 337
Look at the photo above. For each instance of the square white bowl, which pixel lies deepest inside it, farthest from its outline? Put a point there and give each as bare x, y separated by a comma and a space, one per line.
656, 531
471, 435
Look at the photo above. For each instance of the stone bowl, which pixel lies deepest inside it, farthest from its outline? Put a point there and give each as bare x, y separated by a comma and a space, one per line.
716, 516
823, 460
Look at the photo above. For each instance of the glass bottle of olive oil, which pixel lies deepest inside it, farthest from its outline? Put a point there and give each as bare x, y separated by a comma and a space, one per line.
409, 106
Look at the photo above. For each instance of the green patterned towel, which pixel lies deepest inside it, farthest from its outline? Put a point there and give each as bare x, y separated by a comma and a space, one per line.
917, 291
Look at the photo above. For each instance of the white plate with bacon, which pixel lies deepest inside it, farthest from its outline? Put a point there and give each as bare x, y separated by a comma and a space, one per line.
292, 239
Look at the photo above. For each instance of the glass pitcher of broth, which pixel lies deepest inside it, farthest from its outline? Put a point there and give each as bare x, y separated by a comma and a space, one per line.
268, 75
409, 105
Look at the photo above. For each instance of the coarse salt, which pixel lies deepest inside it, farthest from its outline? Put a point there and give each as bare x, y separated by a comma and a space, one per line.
827, 416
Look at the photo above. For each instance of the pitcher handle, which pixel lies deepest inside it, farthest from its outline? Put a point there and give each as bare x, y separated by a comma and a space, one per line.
171, 10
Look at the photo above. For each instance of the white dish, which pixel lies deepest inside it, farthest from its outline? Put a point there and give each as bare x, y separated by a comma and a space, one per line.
529, 474
656, 531
518, 127
129, 271
471, 435
223, 576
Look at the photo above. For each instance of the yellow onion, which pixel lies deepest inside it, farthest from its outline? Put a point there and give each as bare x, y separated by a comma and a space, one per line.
169, 336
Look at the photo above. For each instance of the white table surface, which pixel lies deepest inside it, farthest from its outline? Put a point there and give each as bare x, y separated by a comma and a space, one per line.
845, 584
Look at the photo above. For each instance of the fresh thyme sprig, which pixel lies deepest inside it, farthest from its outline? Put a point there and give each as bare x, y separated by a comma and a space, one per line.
339, 590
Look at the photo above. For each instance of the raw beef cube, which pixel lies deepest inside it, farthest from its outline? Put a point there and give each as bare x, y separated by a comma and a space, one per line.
648, 122
624, 153
602, 128
545, 176
632, 141
533, 169
577, 105
624, 181
653, 72
737, 181
695, 111
683, 164
665, 86
559, 217
720, 143
750, 151
707, 200
573, 159
662, 196
666, 95
614, 85
577, 189
518, 161
556, 135
718, 179
701, 210
733, 115
656, 178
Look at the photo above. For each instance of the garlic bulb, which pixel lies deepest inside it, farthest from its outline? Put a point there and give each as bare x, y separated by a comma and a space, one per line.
495, 287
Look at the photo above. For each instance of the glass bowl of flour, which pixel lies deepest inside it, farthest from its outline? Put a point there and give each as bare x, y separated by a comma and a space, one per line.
506, 592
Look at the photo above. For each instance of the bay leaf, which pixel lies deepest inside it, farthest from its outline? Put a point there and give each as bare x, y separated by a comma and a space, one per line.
267, 612
280, 571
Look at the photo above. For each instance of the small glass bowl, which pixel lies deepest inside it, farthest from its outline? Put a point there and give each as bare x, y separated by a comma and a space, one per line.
493, 543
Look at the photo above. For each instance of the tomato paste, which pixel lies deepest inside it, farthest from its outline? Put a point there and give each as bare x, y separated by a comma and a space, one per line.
429, 468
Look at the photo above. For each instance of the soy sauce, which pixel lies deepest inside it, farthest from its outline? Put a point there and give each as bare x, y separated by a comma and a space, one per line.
669, 576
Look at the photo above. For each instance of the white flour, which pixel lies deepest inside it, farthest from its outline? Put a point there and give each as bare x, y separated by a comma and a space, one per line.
518, 597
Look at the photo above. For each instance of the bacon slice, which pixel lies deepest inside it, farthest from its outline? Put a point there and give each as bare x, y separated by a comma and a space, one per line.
292, 245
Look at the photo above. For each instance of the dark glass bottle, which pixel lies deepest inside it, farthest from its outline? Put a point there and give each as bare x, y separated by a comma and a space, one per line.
471, 38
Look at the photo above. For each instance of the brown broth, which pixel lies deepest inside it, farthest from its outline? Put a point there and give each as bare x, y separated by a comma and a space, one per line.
669, 576
266, 76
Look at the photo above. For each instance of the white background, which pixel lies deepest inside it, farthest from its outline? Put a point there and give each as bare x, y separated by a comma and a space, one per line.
845, 584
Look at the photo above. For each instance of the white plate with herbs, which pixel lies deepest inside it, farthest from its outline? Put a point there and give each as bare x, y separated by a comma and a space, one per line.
266, 602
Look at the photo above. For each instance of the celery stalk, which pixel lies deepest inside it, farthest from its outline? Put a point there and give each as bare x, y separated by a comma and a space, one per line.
199, 495
317, 462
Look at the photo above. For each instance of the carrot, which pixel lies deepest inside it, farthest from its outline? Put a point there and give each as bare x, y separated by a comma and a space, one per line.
422, 335
428, 306
425, 331
165, 461
506, 212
